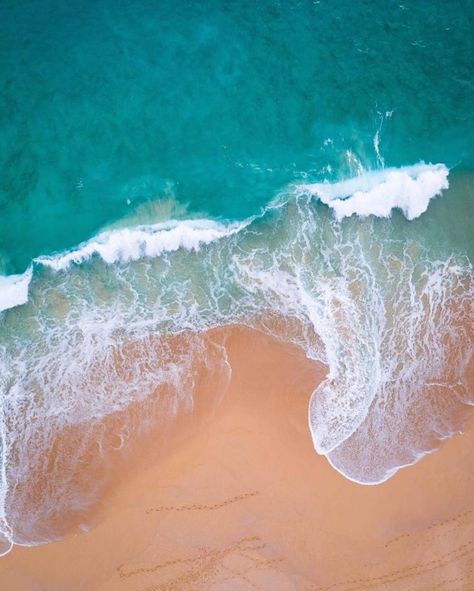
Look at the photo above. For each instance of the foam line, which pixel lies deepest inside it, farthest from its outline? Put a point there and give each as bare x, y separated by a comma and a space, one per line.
131, 244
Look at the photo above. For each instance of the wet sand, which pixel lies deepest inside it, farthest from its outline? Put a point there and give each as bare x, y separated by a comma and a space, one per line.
240, 501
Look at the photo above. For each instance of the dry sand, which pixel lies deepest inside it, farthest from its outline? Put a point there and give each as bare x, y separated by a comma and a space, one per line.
242, 502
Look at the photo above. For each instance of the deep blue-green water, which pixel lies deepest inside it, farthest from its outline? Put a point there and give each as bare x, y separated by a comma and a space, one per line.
106, 104
169, 167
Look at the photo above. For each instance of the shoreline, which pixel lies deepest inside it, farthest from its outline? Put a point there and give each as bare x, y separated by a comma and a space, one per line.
238, 499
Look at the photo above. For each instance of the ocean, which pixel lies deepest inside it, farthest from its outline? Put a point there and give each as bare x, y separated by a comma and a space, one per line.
301, 168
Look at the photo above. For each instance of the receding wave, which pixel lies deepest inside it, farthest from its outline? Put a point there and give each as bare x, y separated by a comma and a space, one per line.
392, 322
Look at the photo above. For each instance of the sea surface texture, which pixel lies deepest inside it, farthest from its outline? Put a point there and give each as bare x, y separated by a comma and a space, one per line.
166, 168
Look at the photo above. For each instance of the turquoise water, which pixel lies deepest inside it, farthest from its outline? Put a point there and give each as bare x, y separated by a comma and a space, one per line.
108, 102
167, 168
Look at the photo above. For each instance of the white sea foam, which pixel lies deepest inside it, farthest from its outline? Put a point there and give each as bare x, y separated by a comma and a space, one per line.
379, 192
131, 244
122, 246
14, 289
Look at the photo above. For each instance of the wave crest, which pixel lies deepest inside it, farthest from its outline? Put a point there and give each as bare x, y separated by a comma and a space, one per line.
377, 193
131, 244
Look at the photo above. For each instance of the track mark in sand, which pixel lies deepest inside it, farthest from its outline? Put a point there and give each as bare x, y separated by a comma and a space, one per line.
410, 572
196, 507
201, 570
234, 574
432, 527
445, 584
202, 556
243, 574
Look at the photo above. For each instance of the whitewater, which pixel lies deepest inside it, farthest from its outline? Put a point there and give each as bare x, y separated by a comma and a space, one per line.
409, 189
326, 266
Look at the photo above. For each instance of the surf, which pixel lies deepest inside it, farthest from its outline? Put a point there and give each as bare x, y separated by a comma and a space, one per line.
375, 193
379, 192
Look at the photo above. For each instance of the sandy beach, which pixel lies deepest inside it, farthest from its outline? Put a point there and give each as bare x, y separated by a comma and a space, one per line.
234, 498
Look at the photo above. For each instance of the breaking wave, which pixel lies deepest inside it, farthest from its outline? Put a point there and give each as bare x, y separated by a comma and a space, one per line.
409, 189
14, 290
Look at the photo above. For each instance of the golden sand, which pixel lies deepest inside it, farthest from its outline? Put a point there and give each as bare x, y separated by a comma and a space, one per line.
240, 501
